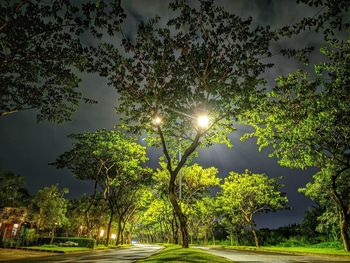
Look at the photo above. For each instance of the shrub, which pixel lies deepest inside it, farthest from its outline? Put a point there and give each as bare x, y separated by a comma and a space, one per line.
81, 241
334, 244
68, 244
292, 242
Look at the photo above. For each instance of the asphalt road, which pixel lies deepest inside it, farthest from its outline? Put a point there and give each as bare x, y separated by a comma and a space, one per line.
239, 256
121, 255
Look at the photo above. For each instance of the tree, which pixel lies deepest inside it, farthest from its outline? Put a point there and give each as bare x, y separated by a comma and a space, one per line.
202, 216
12, 190
307, 121
49, 209
113, 161
244, 195
87, 214
43, 50
196, 182
205, 61
321, 189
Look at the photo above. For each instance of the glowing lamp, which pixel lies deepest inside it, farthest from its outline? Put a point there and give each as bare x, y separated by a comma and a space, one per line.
203, 121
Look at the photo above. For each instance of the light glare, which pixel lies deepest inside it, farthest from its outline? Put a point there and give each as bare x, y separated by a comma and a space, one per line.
203, 121
157, 121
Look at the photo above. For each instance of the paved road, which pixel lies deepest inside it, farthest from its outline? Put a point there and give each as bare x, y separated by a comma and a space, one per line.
239, 256
122, 255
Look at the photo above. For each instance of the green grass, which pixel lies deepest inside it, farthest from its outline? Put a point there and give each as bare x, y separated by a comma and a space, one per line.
53, 248
311, 250
101, 247
177, 254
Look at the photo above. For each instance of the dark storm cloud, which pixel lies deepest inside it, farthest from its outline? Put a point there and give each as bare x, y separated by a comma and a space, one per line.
27, 147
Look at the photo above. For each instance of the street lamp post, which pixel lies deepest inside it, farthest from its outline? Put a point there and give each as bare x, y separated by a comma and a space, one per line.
202, 122
180, 175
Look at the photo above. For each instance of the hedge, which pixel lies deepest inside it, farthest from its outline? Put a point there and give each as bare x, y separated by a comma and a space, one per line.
82, 241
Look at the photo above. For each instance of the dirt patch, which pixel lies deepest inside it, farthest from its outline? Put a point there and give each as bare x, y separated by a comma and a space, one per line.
15, 254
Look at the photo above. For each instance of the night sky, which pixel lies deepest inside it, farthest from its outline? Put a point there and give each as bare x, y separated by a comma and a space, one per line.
26, 147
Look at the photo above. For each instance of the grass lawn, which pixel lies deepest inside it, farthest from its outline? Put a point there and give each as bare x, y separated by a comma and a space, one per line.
101, 247
311, 250
175, 253
53, 248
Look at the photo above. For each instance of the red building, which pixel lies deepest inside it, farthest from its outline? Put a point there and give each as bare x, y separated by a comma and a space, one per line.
11, 220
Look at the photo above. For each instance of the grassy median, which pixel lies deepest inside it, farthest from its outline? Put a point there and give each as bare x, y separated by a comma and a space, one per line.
308, 250
175, 254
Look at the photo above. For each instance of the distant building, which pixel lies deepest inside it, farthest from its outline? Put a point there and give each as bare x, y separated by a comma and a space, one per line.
11, 221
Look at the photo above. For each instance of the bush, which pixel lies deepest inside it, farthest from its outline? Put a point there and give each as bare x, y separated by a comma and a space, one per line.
334, 244
81, 241
9, 243
292, 242
68, 244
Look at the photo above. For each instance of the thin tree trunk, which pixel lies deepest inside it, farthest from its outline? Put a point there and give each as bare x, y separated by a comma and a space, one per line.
255, 237
109, 227
52, 235
122, 233
119, 230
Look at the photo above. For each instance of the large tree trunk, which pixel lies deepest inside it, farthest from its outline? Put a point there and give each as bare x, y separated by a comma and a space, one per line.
173, 173
180, 215
344, 217
344, 229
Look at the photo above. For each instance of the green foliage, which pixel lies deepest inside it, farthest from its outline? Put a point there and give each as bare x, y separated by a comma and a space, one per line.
307, 121
42, 52
86, 215
334, 244
114, 162
82, 242
49, 208
204, 61
330, 19
106, 157
244, 195
12, 190
68, 244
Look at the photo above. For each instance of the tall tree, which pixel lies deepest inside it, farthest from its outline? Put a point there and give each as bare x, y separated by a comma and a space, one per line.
43, 49
49, 209
87, 214
244, 195
12, 190
205, 61
307, 121
113, 161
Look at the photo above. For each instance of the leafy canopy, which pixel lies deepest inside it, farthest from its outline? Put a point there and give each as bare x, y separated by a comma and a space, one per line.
43, 49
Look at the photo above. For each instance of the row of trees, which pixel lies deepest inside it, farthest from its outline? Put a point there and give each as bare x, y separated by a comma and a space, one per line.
147, 214
203, 61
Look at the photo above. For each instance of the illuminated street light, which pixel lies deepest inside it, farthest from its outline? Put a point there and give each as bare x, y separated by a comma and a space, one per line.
102, 233
203, 121
157, 121
113, 236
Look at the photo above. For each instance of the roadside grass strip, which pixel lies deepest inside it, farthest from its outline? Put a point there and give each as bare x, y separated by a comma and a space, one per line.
178, 254
58, 249
294, 250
